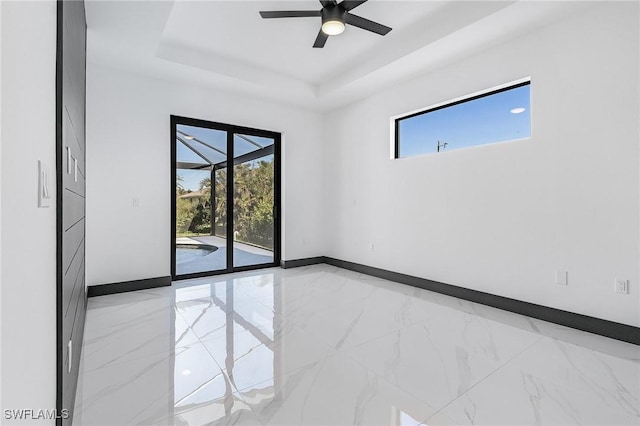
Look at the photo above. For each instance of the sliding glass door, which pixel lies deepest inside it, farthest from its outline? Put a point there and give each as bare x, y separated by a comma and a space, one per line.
224, 212
253, 200
198, 247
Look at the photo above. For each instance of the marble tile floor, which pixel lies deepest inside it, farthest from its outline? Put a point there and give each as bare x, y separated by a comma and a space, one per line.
320, 345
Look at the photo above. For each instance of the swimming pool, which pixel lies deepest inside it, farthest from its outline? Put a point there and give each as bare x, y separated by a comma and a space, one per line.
189, 252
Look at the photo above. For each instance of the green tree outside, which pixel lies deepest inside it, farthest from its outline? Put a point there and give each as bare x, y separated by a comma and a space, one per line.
253, 205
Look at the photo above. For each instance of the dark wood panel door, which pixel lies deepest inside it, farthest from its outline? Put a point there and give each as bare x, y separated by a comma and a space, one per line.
71, 200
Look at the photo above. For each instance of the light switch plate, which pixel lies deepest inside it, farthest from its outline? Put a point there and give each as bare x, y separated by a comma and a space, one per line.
69, 355
622, 286
44, 185
562, 278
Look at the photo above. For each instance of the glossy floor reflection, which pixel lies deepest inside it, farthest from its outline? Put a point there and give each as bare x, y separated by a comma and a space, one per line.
321, 345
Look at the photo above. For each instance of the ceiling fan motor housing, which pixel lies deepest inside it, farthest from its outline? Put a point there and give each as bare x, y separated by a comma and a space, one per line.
333, 13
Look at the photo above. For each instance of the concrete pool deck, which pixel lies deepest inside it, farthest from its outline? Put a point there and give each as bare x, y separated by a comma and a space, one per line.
243, 255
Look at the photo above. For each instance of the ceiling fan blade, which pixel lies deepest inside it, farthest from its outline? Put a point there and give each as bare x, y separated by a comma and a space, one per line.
366, 24
350, 5
328, 3
290, 13
321, 39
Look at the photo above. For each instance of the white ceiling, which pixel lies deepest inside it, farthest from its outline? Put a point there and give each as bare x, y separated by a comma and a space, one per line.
227, 45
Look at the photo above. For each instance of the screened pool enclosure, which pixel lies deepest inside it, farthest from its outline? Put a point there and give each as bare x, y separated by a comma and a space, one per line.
225, 213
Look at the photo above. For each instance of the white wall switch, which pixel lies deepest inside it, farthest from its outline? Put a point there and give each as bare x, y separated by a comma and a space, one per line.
622, 286
44, 185
562, 278
70, 355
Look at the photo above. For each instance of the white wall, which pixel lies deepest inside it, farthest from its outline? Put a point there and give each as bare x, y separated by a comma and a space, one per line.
0, 202
128, 155
504, 218
28, 242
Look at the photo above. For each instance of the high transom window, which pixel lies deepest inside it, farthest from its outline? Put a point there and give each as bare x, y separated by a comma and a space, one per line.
498, 115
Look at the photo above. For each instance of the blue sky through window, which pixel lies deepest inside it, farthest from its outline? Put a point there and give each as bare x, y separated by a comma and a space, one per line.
185, 155
191, 178
489, 119
212, 137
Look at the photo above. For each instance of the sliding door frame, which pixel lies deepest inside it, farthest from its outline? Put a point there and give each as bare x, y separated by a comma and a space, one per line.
231, 130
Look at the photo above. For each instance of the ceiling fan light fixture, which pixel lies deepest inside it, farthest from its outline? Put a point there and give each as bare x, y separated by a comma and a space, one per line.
333, 27
335, 16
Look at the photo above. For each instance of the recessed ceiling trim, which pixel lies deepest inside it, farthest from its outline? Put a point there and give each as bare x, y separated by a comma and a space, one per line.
250, 58
220, 65
443, 22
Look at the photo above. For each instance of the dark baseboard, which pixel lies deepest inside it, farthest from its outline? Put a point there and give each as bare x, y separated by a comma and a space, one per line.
296, 263
614, 330
113, 288
606, 328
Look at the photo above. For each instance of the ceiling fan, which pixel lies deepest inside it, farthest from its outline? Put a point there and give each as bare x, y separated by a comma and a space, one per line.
334, 17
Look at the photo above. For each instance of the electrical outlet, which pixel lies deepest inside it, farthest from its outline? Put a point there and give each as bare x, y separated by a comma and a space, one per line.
622, 286
562, 277
371, 247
